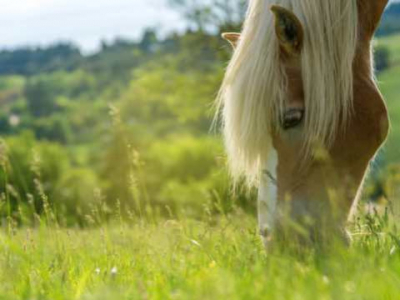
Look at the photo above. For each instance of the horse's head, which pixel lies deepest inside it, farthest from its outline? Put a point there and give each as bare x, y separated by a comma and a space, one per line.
302, 114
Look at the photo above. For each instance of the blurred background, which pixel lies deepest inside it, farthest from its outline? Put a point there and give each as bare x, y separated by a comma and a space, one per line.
107, 105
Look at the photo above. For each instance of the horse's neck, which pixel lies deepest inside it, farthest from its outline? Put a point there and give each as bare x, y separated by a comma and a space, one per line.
370, 13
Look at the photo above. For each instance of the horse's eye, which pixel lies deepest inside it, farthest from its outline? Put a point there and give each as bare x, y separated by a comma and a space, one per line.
292, 118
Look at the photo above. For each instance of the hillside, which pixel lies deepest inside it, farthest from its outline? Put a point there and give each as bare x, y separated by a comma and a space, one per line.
391, 42
389, 84
132, 123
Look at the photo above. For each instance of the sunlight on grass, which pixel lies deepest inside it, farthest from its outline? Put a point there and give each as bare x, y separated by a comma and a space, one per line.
186, 259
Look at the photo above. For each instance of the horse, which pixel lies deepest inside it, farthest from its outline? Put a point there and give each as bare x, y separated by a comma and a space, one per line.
302, 116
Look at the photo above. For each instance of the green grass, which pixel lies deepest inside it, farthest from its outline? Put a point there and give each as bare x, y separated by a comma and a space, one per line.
392, 42
389, 82
187, 259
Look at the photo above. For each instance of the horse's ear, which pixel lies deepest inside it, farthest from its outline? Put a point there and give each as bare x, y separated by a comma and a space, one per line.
289, 30
232, 38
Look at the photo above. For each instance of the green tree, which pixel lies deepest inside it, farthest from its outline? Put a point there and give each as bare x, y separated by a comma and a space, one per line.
382, 58
40, 98
213, 14
149, 41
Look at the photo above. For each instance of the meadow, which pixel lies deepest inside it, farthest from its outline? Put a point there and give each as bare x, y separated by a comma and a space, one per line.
186, 259
115, 189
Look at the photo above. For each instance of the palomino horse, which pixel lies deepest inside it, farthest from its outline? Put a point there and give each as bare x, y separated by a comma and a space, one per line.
302, 115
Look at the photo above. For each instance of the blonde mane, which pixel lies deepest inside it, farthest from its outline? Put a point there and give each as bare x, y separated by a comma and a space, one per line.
254, 91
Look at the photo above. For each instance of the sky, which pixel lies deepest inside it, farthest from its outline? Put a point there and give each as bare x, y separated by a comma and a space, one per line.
85, 22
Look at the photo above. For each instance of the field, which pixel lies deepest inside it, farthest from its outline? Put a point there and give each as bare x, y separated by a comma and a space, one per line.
186, 259
210, 256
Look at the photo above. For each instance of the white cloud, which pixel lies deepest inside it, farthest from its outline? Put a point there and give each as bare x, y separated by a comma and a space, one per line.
8, 7
83, 21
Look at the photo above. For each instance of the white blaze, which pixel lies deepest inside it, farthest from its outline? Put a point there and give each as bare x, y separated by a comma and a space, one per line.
268, 196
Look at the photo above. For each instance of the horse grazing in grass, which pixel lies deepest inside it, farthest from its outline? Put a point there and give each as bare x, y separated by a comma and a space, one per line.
301, 113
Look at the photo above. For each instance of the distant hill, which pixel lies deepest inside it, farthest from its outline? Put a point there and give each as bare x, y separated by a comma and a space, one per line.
118, 57
29, 61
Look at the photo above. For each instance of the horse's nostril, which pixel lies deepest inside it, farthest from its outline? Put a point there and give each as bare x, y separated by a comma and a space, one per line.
292, 118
